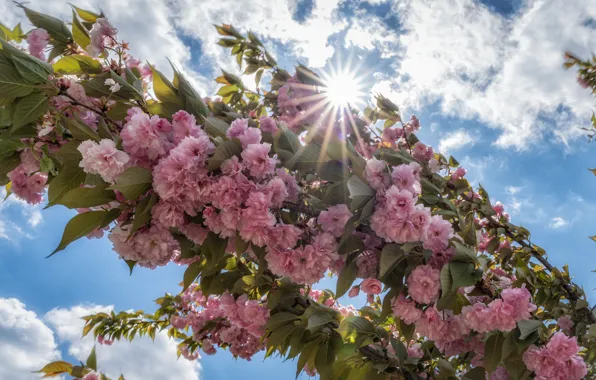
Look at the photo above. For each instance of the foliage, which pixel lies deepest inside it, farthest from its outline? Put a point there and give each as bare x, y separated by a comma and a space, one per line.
259, 194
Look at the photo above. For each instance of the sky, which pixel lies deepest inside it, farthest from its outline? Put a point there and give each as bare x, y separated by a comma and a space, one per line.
484, 77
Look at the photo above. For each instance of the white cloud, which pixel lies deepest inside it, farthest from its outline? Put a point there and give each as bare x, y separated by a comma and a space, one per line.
506, 72
141, 359
558, 222
454, 141
10, 226
26, 343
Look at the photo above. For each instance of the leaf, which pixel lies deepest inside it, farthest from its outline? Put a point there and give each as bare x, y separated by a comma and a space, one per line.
77, 65
131, 264
352, 326
279, 319
463, 253
55, 28
126, 91
493, 349
56, 368
92, 360
224, 150
8, 147
143, 212
214, 249
307, 355
31, 70
7, 164
81, 131
191, 273
391, 255
11, 83
306, 158
83, 197
79, 33
318, 319
29, 108
133, 182
192, 100
400, 350
528, 326
286, 140
87, 16
70, 177
216, 127
163, 88
83, 224
69, 152
477, 373
358, 188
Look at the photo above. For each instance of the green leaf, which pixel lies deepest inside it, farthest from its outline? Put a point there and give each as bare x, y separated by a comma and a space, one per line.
69, 152
8, 147
55, 28
85, 15
358, 188
318, 319
400, 350
163, 88
224, 150
83, 224
308, 355
353, 326
7, 164
83, 197
477, 373
70, 177
528, 326
391, 255
493, 349
29, 108
31, 70
306, 158
279, 319
191, 273
56, 368
333, 171
79, 32
11, 83
143, 212
133, 182
193, 103
214, 249
286, 140
81, 131
92, 360
216, 127
77, 65
463, 253
131, 264
126, 91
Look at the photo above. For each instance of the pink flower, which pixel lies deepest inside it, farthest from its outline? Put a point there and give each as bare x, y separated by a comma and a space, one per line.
250, 136
255, 158
519, 299
501, 316
405, 309
150, 248
237, 128
406, 177
334, 220
102, 34
438, 234
102, 159
558, 360
167, 214
422, 152
283, 236
38, 40
291, 184
499, 374
91, 376
28, 188
563, 345
268, 124
367, 263
565, 323
371, 286
392, 134
29, 162
145, 137
376, 174
476, 317
458, 174
354, 291
101, 340
184, 125
423, 284
415, 351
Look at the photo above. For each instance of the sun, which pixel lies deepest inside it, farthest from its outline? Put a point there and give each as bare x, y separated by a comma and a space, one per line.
343, 89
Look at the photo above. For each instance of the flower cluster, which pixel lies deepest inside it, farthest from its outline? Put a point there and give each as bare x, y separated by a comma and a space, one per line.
558, 360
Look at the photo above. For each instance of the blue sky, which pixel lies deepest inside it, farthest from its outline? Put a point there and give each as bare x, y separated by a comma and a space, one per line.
485, 78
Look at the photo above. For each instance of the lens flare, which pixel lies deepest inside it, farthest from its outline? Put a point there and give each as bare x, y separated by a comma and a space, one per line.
342, 89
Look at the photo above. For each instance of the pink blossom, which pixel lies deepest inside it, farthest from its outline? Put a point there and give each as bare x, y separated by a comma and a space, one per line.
415, 351
92, 376
476, 317
276, 189
256, 159
413, 124
29, 161
422, 152
150, 248
268, 124
392, 134
405, 309
458, 174
101, 340
334, 220
558, 360
28, 188
291, 184
283, 236
367, 263
102, 159
371, 286
250, 136
194, 232
423, 284
184, 125
376, 174
38, 40
167, 214
501, 316
354, 291
565, 323
102, 35
145, 137
406, 177
499, 374
438, 234
519, 299
237, 128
